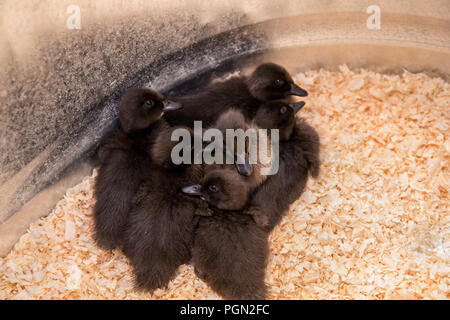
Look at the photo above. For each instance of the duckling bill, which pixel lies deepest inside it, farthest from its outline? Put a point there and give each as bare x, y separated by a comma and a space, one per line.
230, 252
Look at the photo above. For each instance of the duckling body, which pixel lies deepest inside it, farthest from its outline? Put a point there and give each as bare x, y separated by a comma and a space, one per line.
299, 157
207, 104
230, 253
124, 160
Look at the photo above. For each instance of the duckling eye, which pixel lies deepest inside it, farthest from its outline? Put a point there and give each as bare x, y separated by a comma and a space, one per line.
213, 188
149, 103
283, 110
279, 83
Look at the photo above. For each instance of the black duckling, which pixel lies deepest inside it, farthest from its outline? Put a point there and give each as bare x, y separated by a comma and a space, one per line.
159, 234
271, 81
268, 81
123, 160
280, 115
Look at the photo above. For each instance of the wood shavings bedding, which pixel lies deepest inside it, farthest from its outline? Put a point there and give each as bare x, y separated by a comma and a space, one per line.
374, 225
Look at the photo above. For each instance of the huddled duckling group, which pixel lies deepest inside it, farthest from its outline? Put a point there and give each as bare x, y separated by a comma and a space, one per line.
217, 217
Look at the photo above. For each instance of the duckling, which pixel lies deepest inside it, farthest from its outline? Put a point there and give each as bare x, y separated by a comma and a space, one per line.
124, 159
268, 81
229, 251
159, 233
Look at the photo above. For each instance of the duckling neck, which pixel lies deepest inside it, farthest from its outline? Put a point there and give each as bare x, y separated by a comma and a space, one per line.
145, 138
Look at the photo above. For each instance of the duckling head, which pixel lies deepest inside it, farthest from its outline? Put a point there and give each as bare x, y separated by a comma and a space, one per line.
270, 81
222, 188
141, 107
278, 114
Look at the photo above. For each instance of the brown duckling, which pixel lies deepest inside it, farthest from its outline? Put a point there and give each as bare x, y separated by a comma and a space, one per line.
230, 250
123, 160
